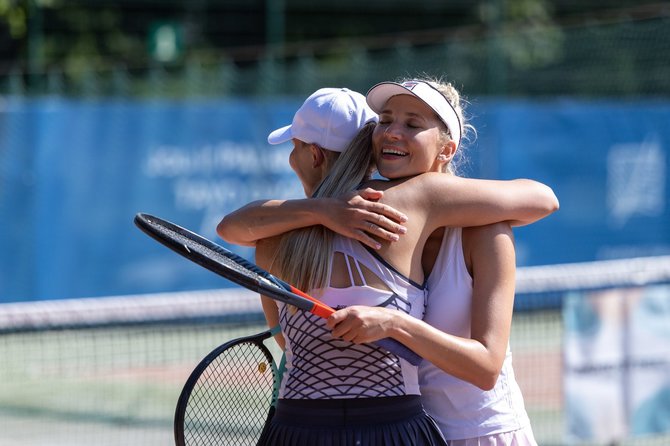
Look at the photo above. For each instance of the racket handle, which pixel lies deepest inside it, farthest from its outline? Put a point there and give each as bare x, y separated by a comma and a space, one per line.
400, 349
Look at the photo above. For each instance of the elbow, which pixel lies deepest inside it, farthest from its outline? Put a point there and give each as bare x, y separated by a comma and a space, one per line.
221, 230
539, 203
483, 377
226, 231
545, 204
488, 384
487, 380
486, 375
553, 204
550, 200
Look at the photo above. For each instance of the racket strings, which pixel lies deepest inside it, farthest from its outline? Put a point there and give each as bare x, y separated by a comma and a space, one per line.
230, 401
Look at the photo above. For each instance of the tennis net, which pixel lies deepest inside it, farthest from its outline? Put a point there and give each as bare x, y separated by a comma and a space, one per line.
108, 371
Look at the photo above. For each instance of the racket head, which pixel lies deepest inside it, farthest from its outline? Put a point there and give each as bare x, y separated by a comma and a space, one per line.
226, 263
230, 396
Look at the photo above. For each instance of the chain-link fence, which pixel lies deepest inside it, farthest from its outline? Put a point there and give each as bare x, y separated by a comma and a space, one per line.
618, 58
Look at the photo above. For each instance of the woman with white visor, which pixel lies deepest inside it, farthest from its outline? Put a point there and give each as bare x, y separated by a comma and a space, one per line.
467, 381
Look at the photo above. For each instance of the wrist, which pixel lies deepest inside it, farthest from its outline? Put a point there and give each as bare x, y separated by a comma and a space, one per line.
318, 209
397, 327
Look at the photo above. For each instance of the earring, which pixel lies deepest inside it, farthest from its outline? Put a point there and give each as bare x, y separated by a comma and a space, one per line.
441, 157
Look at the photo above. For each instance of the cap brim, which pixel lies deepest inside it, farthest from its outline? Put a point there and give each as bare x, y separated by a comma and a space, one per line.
378, 95
280, 135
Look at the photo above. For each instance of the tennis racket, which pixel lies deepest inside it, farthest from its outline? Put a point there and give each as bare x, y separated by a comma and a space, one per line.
230, 396
239, 270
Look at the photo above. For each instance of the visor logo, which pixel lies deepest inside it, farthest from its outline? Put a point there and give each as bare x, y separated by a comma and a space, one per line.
410, 84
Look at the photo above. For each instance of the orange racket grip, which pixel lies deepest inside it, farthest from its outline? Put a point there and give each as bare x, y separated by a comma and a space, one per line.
320, 309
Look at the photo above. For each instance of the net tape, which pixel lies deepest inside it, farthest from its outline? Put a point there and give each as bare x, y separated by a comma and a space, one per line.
238, 303
123, 310
593, 275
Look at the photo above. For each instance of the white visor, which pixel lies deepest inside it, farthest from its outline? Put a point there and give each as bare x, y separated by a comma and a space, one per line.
379, 94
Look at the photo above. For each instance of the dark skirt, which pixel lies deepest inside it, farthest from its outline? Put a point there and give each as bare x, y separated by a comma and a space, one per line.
388, 421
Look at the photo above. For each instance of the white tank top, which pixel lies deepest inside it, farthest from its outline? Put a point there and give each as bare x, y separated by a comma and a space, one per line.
463, 410
318, 366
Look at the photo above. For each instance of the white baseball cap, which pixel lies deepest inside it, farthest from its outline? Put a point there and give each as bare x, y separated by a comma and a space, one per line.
330, 118
379, 94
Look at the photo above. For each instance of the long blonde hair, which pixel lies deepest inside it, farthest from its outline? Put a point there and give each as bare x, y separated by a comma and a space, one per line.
304, 255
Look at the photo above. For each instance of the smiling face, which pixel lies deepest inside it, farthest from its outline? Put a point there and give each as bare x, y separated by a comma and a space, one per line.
409, 138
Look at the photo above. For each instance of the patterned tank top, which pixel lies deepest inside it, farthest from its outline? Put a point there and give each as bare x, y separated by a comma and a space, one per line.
321, 367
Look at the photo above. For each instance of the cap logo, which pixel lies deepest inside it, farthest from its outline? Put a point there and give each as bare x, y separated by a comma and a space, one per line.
429, 94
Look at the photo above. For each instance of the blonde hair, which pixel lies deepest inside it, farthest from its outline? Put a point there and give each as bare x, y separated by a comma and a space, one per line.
304, 255
456, 100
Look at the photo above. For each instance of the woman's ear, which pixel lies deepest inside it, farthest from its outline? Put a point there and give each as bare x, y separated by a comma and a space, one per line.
318, 157
448, 152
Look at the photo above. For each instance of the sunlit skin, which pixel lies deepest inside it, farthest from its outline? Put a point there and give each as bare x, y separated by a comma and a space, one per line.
408, 139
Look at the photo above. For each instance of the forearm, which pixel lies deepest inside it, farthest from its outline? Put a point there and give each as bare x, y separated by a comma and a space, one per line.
468, 359
358, 216
464, 358
466, 202
268, 218
519, 202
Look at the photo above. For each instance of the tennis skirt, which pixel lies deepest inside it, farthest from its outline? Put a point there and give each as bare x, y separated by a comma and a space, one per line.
521, 437
387, 421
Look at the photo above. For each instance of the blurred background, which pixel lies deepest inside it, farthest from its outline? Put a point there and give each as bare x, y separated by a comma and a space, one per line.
109, 108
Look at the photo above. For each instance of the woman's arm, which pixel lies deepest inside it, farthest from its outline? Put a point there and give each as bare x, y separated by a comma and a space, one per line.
456, 201
531, 199
477, 359
357, 216
266, 218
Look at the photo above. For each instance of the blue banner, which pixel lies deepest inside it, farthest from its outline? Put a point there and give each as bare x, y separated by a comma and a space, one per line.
73, 173
606, 161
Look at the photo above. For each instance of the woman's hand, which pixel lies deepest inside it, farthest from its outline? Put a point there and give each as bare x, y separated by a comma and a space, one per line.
361, 324
359, 215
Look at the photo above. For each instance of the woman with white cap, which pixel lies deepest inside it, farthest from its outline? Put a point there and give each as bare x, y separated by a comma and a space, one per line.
323, 126
427, 147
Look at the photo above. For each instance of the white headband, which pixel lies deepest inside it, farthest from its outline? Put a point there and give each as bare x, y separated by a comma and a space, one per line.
382, 92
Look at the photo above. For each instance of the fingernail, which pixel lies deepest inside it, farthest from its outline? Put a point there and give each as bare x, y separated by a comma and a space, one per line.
395, 237
402, 230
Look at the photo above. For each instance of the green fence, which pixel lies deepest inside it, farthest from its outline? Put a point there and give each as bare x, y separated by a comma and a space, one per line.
622, 57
